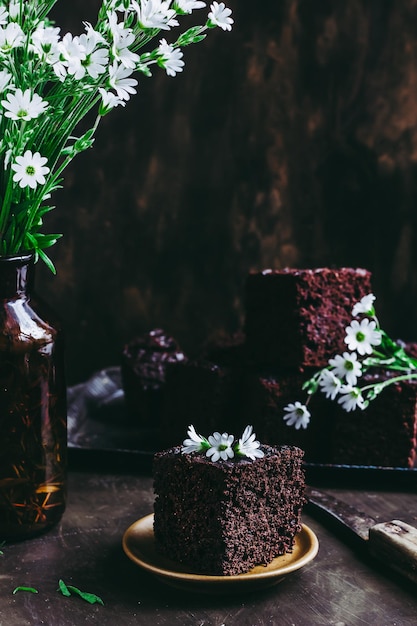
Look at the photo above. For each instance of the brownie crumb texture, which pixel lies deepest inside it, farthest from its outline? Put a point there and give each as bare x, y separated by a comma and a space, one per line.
297, 318
225, 518
143, 369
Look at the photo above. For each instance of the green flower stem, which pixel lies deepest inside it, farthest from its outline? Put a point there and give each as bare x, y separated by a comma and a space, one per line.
44, 8
400, 358
391, 363
389, 381
73, 117
5, 212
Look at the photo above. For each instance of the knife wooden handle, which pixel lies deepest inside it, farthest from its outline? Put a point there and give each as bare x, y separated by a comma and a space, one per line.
395, 544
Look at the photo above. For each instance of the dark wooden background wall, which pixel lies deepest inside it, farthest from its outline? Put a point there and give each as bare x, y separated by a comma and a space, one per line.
291, 141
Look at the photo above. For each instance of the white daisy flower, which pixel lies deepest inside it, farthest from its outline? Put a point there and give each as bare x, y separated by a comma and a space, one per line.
5, 79
248, 446
362, 336
109, 101
60, 68
71, 48
3, 16
171, 58
22, 105
220, 447
187, 6
120, 81
12, 36
365, 305
195, 442
30, 170
73, 53
330, 384
115, 27
297, 415
155, 14
347, 366
351, 398
14, 8
44, 41
220, 15
122, 39
96, 59
7, 157
93, 36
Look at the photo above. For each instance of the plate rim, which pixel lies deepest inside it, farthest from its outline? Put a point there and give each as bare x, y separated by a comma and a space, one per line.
249, 576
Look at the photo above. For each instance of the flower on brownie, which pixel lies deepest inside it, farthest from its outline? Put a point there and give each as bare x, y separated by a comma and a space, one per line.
346, 366
248, 445
195, 443
297, 415
50, 83
365, 305
369, 347
330, 384
362, 336
222, 446
351, 398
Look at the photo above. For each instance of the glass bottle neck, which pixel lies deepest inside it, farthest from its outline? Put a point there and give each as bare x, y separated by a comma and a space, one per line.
16, 275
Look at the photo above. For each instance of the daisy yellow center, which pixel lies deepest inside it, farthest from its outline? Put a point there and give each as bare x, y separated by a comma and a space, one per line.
30, 170
360, 336
222, 446
349, 365
22, 113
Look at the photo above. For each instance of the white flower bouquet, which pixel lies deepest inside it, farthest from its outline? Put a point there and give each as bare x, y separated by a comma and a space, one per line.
49, 82
369, 348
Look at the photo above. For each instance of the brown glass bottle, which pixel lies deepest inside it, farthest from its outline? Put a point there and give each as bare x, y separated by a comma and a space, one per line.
33, 428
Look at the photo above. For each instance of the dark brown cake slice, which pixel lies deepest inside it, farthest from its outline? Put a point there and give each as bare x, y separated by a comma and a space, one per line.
296, 318
384, 434
225, 517
143, 365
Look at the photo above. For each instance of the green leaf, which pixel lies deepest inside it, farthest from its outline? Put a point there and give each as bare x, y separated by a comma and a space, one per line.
192, 35
63, 588
38, 241
29, 589
44, 241
310, 386
145, 70
91, 598
82, 143
45, 258
198, 38
45, 209
68, 590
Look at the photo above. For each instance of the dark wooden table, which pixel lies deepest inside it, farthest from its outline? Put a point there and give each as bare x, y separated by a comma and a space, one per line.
340, 587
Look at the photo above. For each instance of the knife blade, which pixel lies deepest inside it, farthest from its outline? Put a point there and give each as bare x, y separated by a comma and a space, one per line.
393, 543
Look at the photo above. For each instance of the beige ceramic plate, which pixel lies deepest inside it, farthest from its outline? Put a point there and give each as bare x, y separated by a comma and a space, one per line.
138, 544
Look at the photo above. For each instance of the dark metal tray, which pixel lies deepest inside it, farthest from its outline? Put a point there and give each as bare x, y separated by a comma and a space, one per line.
101, 436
